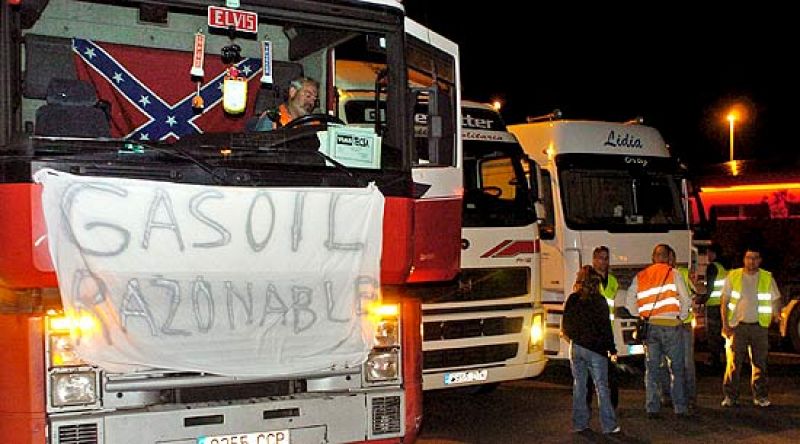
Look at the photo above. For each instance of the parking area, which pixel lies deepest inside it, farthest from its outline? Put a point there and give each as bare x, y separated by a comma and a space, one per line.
539, 410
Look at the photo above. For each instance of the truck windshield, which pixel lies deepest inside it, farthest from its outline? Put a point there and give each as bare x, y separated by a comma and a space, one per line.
495, 190
134, 112
620, 193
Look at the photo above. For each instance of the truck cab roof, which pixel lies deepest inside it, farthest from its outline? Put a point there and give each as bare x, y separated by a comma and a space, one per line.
545, 140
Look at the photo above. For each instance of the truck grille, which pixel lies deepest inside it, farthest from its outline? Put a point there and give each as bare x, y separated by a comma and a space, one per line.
457, 357
86, 433
386, 415
471, 328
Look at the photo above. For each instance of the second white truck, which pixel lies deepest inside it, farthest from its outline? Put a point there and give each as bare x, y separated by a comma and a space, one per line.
604, 183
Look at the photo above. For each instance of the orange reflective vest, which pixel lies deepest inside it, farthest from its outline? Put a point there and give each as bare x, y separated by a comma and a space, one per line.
286, 117
657, 294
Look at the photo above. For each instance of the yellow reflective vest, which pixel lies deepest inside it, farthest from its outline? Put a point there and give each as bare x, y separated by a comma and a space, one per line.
763, 292
610, 293
716, 286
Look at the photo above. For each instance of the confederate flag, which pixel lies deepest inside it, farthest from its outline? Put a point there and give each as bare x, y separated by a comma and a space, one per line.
150, 90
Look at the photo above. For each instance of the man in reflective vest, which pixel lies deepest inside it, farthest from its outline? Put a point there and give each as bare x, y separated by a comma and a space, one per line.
659, 295
715, 278
608, 288
750, 302
303, 94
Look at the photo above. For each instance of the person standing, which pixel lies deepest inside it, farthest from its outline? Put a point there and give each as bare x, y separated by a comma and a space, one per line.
608, 289
658, 295
585, 325
750, 302
715, 278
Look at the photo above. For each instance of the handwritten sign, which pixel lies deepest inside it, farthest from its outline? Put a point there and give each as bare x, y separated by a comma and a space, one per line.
228, 280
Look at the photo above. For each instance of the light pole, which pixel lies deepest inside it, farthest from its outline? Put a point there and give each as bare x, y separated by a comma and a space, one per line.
731, 120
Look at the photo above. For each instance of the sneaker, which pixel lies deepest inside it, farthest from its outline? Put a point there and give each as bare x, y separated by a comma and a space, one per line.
617, 430
762, 402
653, 415
728, 402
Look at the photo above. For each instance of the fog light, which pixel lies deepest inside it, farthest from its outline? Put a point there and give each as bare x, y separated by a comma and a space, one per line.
382, 365
77, 388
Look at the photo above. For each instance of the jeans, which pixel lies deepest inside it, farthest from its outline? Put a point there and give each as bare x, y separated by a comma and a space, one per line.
756, 338
665, 341
585, 362
690, 377
613, 386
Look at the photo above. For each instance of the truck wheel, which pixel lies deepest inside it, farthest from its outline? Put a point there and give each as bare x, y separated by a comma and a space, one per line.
793, 328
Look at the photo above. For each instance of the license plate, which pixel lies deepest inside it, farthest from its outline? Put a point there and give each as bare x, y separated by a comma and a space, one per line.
273, 437
636, 349
463, 377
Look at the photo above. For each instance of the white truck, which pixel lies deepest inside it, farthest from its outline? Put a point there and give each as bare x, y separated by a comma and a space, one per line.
486, 325
609, 184
167, 277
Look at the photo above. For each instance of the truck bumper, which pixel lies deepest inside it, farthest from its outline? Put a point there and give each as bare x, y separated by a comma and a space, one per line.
309, 418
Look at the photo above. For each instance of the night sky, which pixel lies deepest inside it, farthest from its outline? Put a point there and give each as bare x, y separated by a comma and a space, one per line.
678, 68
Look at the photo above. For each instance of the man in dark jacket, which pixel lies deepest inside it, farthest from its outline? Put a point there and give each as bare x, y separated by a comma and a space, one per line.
585, 325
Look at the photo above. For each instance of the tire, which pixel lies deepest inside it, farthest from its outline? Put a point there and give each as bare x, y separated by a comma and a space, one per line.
793, 328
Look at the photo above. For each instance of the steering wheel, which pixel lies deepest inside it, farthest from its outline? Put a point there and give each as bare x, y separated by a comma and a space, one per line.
310, 119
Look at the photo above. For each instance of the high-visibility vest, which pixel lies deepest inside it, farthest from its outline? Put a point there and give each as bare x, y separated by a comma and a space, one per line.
763, 293
716, 286
689, 286
657, 295
285, 116
610, 293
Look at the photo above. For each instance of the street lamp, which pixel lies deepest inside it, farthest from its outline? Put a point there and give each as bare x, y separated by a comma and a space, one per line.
731, 120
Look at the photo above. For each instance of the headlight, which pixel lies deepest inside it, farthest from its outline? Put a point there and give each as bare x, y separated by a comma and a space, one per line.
537, 332
62, 351
382, 365
77, 388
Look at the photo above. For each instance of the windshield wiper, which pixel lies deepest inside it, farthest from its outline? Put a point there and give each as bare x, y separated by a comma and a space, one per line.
77, 145
138, 148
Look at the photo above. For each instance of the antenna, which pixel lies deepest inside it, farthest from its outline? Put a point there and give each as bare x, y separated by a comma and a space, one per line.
555, 115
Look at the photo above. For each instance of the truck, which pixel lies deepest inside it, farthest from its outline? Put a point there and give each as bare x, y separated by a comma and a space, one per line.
169, 277
604, 184
486, 325
756, 200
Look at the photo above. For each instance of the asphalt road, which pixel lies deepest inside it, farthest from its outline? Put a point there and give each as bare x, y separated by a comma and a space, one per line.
539, 410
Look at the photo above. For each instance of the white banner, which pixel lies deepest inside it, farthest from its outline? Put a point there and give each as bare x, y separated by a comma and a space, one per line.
228, 280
